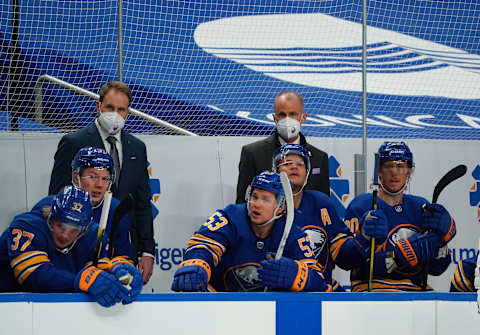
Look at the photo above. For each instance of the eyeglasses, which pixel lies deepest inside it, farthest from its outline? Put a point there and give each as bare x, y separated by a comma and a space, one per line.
94, 178
401, 167
298, 162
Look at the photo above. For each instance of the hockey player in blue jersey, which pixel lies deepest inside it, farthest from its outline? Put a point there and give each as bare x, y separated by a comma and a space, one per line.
53, 254
463, 279
232, 250
332, 242
92, 171
418, 231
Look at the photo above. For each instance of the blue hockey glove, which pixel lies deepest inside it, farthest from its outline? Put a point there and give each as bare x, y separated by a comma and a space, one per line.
284, 274
437, 219
374, 224
101, 285
417, 249
131, 278
191, 276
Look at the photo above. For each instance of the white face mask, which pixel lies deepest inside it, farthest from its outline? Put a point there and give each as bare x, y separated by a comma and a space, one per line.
288, 128
111, 122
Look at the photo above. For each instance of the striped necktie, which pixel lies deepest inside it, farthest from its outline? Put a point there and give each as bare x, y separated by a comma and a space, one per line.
114, 154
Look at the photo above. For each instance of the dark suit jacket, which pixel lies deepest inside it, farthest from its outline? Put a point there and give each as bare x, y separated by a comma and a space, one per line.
134, 179
257, 157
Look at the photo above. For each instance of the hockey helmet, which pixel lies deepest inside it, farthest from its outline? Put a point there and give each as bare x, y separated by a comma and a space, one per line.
93, 157
268, 181
73, 207
290, 149
395, 151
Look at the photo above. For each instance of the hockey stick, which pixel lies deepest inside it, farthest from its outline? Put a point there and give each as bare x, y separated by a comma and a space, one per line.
452, 175
374, 207
455, 173
287, 189
101, 226
125, 206
290, 213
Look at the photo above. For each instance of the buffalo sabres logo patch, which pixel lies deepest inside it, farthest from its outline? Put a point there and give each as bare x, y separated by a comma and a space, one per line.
318, 239
243, 279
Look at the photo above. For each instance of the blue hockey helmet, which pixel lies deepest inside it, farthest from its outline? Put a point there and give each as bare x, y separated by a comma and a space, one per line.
93, 157
268, 181
73, 207
290, 149
395, 151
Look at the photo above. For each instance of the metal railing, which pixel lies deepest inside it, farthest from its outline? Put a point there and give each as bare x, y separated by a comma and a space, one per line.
93, 96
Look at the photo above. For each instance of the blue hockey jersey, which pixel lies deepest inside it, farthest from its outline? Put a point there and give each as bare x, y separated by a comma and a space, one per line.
122, 244
234, 253
30, 262
463, 279
330, 238
404, 220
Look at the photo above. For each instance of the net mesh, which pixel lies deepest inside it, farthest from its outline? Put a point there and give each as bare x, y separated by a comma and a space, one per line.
214, 68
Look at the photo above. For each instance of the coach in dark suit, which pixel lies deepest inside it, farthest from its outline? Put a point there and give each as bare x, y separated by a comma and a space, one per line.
288, 115
130, 159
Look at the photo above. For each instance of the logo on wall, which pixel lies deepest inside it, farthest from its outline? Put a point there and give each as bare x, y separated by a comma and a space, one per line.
339, 187
155, 188
330, 54
475, 191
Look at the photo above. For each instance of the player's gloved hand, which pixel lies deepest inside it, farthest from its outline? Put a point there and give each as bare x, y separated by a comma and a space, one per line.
374, 224
437, 219
101, 285
191, 276
417, 249
282, 273
131, 278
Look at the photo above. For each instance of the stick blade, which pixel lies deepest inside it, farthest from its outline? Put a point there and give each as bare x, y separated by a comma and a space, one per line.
455, 173
125, 206
287, 188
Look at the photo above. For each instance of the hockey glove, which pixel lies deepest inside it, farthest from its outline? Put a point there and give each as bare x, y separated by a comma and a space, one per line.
101, 285
283, 274
192, 276
417, 249
373, 224
437, 219
131, 278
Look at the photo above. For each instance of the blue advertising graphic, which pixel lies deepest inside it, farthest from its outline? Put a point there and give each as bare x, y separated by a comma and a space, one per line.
214, 68
475, 191
155, 189
339, 187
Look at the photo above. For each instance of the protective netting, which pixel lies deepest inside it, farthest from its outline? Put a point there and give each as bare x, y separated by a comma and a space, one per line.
214, 67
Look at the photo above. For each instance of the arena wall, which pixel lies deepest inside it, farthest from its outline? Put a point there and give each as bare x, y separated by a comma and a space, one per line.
244, 313
191, 177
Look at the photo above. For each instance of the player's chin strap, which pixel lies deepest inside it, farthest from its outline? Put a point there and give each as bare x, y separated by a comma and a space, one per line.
393, 193
274, 217
100, 203
301, 189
